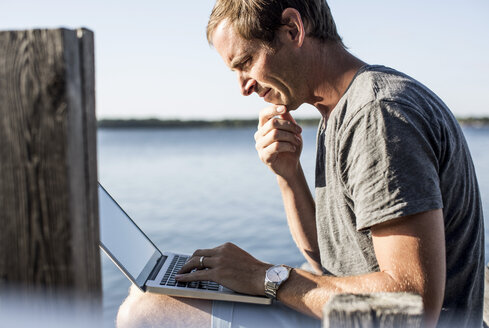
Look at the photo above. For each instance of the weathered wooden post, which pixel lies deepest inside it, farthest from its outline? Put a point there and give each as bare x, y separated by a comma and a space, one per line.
380, 310
49, 228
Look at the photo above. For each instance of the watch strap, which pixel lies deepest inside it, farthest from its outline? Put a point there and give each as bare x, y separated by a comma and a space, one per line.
271, 289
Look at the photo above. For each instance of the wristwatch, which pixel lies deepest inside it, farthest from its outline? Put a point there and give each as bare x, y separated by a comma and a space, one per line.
274, 277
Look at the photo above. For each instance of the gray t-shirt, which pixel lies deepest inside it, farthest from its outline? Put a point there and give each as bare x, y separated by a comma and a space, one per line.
392, 148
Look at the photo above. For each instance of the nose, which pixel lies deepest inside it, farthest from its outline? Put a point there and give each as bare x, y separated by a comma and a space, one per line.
246, 83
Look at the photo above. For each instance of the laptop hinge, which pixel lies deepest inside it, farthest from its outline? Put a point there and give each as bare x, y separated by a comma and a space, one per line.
157, 268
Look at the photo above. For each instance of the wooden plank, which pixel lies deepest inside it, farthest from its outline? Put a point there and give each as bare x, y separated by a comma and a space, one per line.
49, 237
373, 310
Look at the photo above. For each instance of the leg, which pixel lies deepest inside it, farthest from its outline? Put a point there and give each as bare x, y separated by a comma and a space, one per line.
153, 310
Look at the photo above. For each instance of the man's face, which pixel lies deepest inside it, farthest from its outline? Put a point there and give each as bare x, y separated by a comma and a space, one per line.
269, 73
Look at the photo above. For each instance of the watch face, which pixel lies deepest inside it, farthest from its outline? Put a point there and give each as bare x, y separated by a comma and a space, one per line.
277, 274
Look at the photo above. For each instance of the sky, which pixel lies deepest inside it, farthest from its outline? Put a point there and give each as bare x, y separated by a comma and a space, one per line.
153, 59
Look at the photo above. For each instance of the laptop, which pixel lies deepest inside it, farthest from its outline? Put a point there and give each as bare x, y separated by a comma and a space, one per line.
146, 266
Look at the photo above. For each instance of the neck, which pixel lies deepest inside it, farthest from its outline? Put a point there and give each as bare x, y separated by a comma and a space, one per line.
332, 70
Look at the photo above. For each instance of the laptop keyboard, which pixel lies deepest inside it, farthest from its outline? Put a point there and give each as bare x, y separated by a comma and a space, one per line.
175, 265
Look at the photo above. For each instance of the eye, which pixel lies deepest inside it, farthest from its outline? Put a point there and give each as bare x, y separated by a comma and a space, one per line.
243, 64
246, 63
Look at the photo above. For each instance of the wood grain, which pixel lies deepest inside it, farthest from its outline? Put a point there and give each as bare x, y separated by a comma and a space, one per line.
49, 217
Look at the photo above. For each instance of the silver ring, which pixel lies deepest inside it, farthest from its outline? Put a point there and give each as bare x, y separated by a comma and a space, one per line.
201, 261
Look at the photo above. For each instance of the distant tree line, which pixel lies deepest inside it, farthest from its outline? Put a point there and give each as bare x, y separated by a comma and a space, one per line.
154, 123
476, 121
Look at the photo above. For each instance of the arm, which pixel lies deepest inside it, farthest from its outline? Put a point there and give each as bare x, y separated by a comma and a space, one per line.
301, 217
411, 256
410, 252
279, 145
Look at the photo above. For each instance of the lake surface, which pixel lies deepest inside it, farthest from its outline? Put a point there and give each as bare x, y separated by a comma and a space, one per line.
199, 188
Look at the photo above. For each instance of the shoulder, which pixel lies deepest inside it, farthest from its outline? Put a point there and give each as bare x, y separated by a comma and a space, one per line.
374, 84
382, 94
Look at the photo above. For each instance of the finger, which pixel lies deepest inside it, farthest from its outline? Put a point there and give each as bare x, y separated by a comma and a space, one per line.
278, 147
287, 116
277, 124
269, 112
277, 136
204, 252
199, 275
192, 264
195, 263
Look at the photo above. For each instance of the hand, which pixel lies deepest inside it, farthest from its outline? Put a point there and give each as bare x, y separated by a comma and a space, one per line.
228, 265
278, 140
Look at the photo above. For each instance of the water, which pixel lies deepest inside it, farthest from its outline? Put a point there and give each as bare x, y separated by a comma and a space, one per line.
199, 188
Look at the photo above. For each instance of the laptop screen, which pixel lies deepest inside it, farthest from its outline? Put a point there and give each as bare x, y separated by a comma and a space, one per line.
123, 241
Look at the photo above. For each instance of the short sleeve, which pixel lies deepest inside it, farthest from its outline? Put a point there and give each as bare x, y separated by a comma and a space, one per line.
388, 163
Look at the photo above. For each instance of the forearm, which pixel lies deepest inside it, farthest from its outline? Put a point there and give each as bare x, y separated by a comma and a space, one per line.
308, 293
301, 217
410, 252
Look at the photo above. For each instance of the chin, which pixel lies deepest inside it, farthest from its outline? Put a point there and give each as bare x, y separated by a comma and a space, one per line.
292, 107
290, 104
280, 102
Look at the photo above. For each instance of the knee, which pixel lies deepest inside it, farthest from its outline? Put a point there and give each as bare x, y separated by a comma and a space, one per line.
131, 312
152, 310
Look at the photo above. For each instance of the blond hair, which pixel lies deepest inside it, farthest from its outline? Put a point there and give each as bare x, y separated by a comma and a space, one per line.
260, 19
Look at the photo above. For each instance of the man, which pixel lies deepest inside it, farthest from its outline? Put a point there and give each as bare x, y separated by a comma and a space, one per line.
397, 204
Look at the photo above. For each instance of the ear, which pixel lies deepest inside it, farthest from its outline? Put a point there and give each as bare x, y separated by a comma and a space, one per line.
293, 26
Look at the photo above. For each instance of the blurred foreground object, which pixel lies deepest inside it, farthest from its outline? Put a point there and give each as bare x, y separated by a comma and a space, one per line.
48, 171
386, 310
